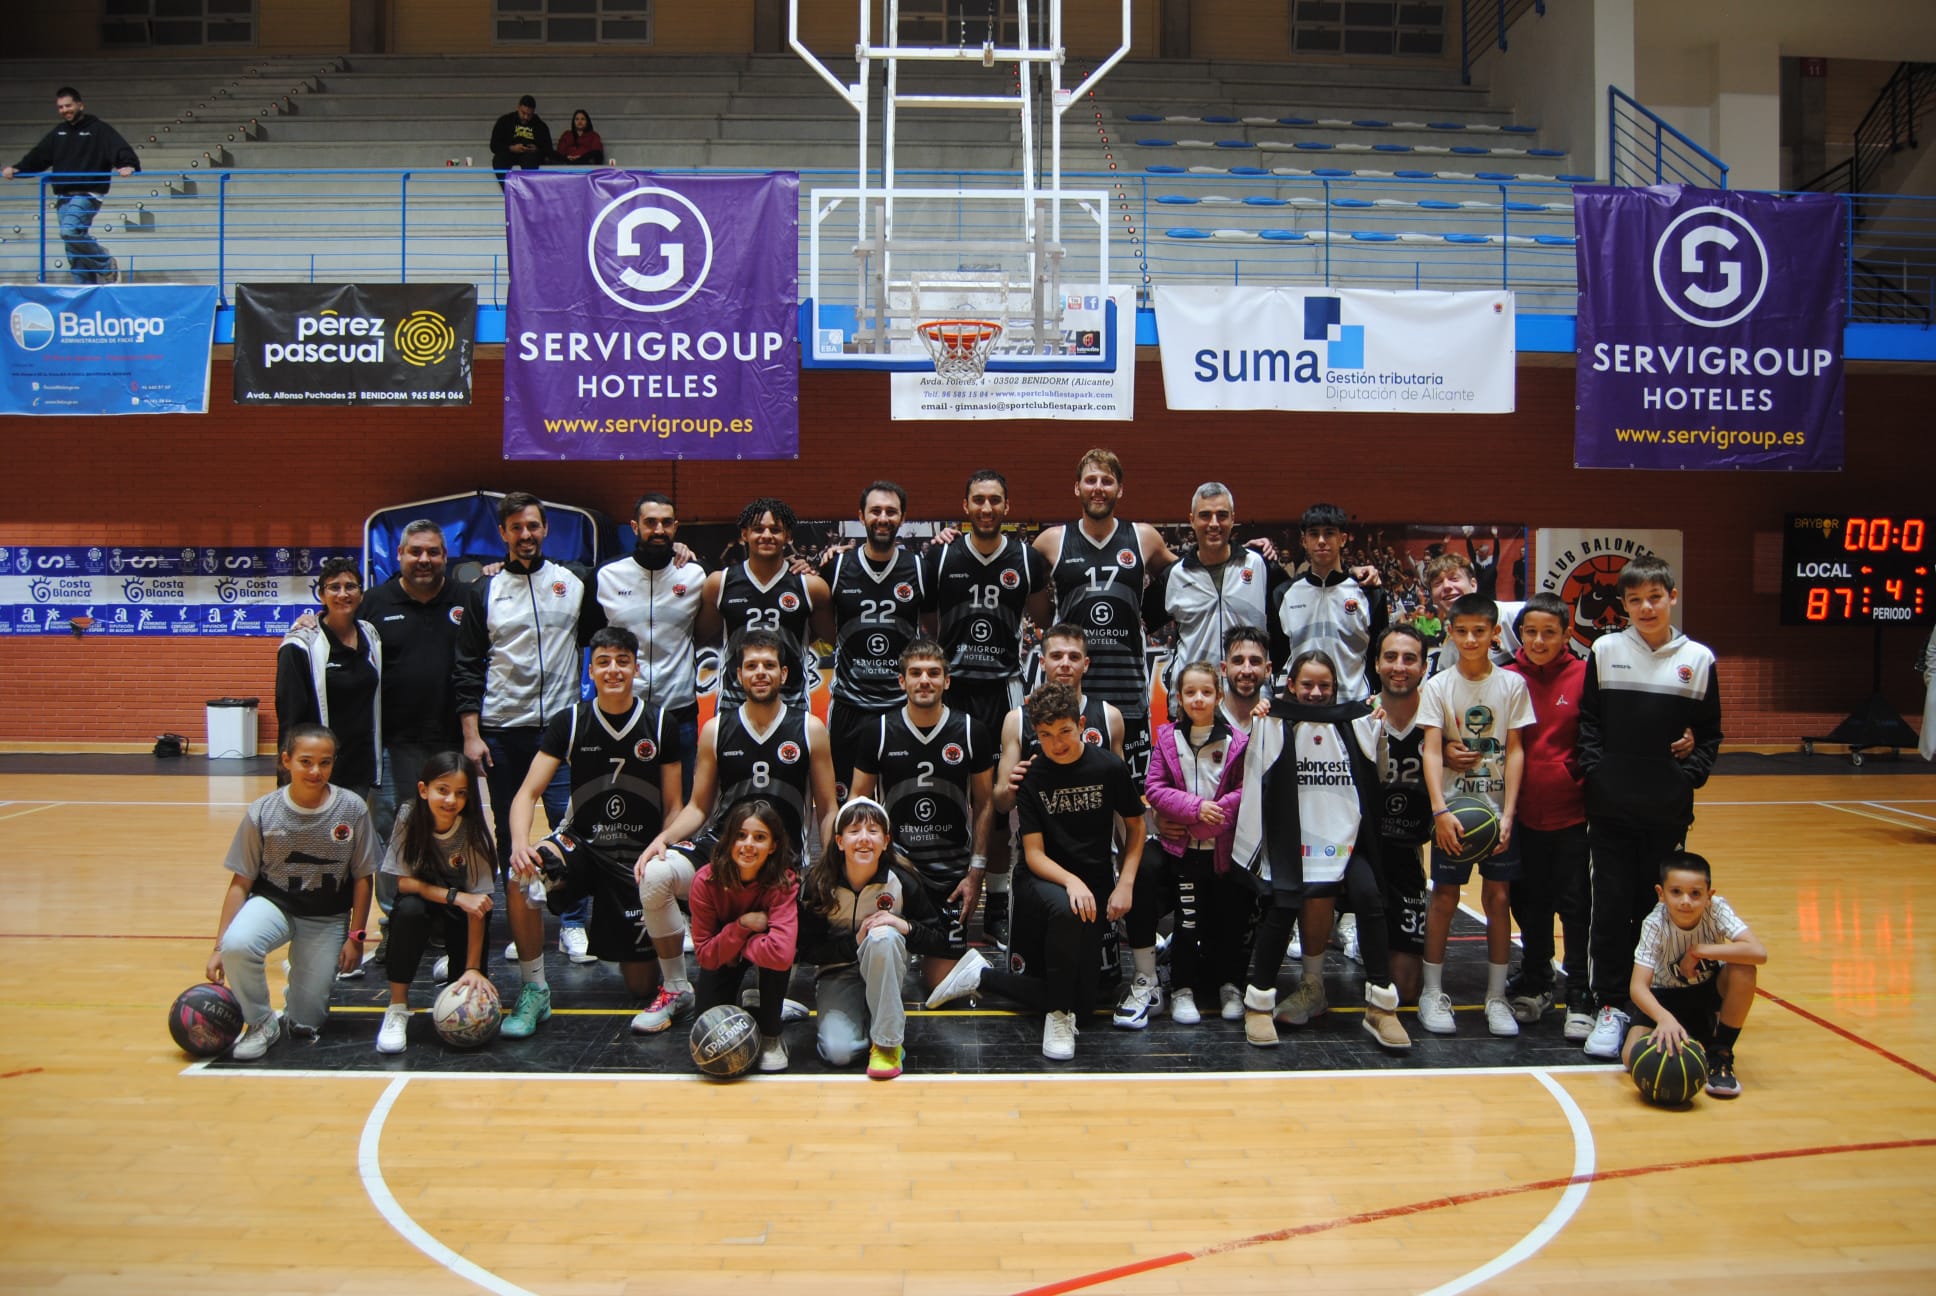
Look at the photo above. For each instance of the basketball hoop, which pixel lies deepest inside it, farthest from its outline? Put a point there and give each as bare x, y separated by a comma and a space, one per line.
960, 347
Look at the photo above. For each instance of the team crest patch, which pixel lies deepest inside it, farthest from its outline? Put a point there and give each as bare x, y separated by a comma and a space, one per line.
1686, 674
883, 902
1247, 576
646, 749
904, 591
840, 791
789, 602
953, 754
1016, 963
1011, 579
557, 589
789, 752
457, 616
678, 591
1093, 737
1351, 607
1126, 557
341, 832
457, 862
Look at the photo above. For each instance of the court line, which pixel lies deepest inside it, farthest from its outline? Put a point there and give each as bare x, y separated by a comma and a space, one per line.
1699, 804
1846, 1034
204, 1069
194, 805
1893, 823
28, 1071
1892, 808
22, 814
370, 1168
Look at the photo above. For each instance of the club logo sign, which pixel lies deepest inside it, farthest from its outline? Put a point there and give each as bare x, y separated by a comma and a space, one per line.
1710, 267
650, 250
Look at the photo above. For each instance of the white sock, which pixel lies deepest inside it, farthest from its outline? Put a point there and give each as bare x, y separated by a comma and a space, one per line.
672, 972
1429, 980
531, 972
1314, 967
1496, 980
1144, 961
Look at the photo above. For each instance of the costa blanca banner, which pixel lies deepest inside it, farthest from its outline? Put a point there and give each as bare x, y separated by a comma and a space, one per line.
1582, 566
158, 590
1710, 329
1079, 396
1336, 349
652, 317
354, 344
135, 349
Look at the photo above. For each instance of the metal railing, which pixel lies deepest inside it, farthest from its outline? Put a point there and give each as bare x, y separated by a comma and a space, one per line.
1483, 24
1642, 149
1889, 127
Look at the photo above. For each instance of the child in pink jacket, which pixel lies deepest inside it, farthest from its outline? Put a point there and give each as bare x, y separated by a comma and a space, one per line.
745, 912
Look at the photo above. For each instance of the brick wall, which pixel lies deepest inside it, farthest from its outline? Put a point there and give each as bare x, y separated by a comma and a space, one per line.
271, 476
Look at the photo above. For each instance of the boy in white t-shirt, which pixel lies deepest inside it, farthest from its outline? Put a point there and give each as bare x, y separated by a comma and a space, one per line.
1485, 708
1694, 971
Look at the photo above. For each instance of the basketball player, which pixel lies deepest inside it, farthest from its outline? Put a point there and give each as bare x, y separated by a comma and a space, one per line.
656, 596
764, 749
624, 759
1099, 565
980, 586
763, 592
878, 597
933, 767
1405, 818
1213, 589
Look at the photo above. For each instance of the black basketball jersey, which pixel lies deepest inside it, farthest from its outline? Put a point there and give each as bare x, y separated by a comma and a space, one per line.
775, 767
1094, 723
783, 606
877, 613
615, 766
922, 779
1405, 815
1100, 588
980, 602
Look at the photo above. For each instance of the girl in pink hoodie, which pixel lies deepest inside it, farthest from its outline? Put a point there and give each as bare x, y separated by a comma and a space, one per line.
745, 913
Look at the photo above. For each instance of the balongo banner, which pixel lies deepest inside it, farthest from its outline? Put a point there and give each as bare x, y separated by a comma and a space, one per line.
125, 349
354, 344
1343, 350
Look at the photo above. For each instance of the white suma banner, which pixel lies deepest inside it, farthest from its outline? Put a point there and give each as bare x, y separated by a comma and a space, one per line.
1336, 349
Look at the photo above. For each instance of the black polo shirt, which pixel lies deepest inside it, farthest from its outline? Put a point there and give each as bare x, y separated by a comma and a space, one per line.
419, 654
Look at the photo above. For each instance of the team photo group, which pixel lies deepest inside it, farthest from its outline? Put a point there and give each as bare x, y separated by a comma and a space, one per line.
999, 796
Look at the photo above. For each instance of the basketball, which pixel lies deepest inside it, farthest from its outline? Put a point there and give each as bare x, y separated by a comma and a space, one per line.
725, 1041
1669, 1081
466, 1017
205, 1020
1478, 828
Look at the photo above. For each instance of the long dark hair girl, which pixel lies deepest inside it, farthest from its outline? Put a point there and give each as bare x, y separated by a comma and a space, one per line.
826, 875
779, 860
413, 839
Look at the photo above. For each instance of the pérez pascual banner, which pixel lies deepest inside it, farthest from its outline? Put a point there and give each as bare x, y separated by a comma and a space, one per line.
652, 316
1710, 329
354, 344
1350, 349
101, 349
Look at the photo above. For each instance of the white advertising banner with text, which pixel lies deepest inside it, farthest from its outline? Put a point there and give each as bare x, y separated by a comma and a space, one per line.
1336, 349
1093, 395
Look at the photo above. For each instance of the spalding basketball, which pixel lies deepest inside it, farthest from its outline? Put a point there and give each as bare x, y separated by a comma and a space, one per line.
1478, 828
725, 1041
465, 1016
1668, 1080
205, 1020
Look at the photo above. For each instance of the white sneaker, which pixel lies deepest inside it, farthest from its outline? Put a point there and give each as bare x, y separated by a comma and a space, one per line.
964, 978
440, 970
1183, 1008
1059, 1036
773, 1054
792, 1010
256, 1040
669, 1003
1578, 1026
1500, 1020
1435, 1013
1230, 1002
1608, 1032
1348, 936
511, 953
1140, 999
575, 945
395, 1031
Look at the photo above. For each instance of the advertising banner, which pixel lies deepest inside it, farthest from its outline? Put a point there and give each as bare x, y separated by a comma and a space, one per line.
1095, 396
1582, 566
652, 317
106, 349
354, 344
1710, 329
1337, 349
184, 590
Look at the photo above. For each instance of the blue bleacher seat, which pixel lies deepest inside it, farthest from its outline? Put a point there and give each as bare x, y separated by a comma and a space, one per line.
1220, 120
1574, 179
1525, 207
1465, 238
1333, 173
1521, 130
1446, 125
1242, 144
1554, 240
1415, 175
1373, 236
1167, 170
1498, 175
1177, 200
1190, 232
1260, 200
1297, 121
1372, 122
1313, 144
1156, 143
1471, 150
1392, 148
1545, 152
1142, 117
1282, 236
1438, 204
1249, 171
1351, 202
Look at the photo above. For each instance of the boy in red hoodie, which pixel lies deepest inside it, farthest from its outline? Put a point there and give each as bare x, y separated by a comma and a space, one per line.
1551, 831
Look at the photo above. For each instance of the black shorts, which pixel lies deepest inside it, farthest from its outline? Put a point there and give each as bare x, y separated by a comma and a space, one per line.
1401, 881
848, 727
985, 701
616, 931
1697, 1007
939, 889
1136, 742
1502, 867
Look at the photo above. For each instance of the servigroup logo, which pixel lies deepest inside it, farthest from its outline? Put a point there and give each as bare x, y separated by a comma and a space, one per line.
32, 326
1709, 289
645, 274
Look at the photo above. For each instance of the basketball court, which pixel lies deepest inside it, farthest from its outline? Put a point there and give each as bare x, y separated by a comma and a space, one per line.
586, 1160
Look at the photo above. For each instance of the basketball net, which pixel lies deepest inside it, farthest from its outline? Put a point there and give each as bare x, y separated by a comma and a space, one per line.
960, 347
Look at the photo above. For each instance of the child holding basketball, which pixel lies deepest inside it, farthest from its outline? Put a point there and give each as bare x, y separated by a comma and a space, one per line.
302, 859
745, 913
1483, 708
1693, 971
443, 860
860, 916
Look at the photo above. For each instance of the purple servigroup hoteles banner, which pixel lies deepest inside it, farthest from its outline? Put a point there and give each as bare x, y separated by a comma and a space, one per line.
652, 316
1710, 329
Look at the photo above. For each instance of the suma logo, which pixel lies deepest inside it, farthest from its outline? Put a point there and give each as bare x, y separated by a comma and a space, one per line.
1344, 344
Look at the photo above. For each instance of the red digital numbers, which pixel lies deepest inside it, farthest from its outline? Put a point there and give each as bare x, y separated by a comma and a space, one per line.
1821, 599
1875, 534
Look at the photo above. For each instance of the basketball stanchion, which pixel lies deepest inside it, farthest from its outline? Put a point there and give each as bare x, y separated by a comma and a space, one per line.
960, 347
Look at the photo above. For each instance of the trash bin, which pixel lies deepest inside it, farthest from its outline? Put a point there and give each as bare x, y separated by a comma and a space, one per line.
231, 727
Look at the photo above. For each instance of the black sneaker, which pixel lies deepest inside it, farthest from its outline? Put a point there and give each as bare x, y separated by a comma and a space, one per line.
1721, 1082
995, 927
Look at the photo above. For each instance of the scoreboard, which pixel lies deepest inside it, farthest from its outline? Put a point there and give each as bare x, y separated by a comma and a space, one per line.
1845, 570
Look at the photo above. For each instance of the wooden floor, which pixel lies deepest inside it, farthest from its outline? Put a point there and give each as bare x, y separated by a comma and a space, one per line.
123, 1172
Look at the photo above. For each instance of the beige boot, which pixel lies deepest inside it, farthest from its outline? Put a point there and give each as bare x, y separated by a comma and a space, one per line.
1259, 1029
1381, 1017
